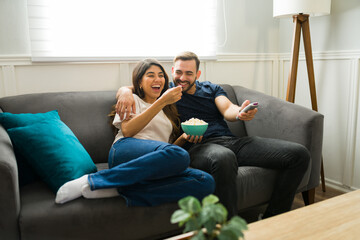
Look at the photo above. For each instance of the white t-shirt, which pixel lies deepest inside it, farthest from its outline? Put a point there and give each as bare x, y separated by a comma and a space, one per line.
159, 128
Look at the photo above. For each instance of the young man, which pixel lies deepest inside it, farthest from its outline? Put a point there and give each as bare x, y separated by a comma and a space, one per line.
219, 152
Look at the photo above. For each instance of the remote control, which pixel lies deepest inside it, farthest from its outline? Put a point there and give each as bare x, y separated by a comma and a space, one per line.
249, 107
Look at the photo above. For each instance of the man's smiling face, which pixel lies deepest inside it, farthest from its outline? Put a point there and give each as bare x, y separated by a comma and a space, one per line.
184, 74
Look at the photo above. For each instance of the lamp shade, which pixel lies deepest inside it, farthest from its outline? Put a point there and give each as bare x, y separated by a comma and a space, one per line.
288, 8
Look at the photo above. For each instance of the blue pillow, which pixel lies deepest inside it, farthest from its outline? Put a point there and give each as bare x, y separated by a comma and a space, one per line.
10, 120
53, 151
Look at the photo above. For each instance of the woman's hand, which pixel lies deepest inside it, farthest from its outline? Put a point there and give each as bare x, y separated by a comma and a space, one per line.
172, 95
191, 138
187, 138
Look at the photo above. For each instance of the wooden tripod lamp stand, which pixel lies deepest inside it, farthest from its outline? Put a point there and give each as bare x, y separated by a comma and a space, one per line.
300, 11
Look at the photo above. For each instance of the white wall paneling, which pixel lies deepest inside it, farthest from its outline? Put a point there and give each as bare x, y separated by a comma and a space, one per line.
352, 105
356, 169
256, 71
22, 79
337, 85
2, 86
9, 80
125, 74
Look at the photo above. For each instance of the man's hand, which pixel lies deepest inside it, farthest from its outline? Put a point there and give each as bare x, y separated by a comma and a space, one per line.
125, 104
248, 115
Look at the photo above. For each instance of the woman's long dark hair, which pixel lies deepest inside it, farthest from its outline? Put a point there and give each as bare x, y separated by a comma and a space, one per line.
169, 110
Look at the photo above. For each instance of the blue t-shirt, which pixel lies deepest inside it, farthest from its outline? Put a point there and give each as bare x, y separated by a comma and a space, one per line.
202, 105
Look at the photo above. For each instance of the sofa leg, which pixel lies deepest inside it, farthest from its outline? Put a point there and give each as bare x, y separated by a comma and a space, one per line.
309, 196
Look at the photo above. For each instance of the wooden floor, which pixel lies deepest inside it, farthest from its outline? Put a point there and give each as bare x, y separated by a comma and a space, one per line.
251, 215
319, 196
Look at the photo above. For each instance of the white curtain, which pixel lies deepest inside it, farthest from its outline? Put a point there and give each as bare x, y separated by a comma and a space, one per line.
91, 30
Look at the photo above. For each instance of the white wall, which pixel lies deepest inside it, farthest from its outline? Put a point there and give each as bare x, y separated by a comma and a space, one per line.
255, 55
335, 32
251, 27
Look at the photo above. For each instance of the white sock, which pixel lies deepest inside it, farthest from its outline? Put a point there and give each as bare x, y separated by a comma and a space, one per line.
71, 190
99, 193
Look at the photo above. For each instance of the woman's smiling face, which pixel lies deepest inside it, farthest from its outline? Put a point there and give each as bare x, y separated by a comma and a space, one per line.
152, 83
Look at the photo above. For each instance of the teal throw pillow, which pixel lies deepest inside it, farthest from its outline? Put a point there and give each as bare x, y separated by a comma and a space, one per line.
10, 120
53, 151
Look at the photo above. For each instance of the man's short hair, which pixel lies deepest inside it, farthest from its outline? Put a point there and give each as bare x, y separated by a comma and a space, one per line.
187, 56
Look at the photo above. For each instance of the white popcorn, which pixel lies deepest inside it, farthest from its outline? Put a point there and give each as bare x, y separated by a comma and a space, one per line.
194, 121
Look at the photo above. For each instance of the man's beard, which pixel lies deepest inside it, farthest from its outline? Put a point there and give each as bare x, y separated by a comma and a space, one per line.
188, 88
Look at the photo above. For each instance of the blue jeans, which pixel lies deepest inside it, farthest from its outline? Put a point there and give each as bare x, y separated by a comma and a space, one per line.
221, 157
148, 173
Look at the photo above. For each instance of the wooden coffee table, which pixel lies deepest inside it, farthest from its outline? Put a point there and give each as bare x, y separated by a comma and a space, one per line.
335, 218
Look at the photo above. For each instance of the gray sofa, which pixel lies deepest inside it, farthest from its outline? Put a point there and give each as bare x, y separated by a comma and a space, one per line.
29, 212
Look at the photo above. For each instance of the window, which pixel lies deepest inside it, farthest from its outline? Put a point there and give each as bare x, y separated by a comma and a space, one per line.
91, 30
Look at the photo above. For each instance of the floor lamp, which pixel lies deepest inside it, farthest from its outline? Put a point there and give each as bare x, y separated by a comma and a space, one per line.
300, 11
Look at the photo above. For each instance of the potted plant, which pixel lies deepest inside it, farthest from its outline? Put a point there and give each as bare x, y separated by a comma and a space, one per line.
208, 220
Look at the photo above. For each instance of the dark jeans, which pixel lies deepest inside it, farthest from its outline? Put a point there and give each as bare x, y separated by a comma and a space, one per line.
221, 157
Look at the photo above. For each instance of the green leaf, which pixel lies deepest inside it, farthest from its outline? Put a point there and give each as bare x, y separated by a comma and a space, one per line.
210, 199
190, 204
233, 229
191, 225
199, 236
227, 234
179, 216
220, 213
210, 225
238, 222
217, 212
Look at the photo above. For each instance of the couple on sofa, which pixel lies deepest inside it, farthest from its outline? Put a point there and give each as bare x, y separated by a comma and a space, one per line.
147, 170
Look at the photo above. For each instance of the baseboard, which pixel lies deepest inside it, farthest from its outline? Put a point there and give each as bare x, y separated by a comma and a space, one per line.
338, 186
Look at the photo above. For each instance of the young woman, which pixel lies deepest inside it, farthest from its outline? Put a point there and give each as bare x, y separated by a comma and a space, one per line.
144, 167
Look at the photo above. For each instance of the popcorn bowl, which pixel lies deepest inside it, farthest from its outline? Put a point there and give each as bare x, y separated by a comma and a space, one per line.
194, 130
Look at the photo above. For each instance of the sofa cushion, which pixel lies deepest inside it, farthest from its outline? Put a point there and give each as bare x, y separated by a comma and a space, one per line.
9, 120
104, 218
53, 151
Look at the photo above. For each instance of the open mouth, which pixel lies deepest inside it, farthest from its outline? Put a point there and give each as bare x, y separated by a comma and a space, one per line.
182, 84
156, 87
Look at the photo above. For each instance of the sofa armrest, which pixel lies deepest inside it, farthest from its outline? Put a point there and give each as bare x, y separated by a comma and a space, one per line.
279, 119
9, 189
